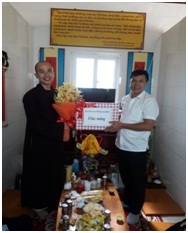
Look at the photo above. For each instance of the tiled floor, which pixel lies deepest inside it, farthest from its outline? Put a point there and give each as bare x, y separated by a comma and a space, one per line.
172, 218
159, 218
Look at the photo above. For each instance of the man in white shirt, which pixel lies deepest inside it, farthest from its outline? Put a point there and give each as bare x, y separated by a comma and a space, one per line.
139, 113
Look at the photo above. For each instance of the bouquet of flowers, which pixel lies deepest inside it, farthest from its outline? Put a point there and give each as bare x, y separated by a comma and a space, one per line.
65, 99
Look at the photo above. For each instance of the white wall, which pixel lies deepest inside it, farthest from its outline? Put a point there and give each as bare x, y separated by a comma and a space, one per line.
15, 42
170, 140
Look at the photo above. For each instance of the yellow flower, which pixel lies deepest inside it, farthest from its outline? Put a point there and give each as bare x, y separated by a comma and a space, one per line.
66, 93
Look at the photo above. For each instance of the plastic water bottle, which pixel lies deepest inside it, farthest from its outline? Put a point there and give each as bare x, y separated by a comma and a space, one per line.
75, 166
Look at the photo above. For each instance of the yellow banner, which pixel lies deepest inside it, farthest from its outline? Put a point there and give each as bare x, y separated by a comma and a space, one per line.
104, 29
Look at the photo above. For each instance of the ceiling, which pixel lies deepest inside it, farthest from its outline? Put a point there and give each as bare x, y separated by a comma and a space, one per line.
160, 17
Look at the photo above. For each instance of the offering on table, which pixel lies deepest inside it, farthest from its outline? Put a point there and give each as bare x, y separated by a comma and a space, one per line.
93, 196
92, 221
111, 192
119, 218
88, 208
80, 202
72, 221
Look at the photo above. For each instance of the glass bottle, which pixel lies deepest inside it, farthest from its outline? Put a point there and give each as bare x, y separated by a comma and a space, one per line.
112, 169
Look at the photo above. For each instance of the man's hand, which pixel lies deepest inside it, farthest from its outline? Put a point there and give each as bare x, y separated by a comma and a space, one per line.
146, 125
114, 127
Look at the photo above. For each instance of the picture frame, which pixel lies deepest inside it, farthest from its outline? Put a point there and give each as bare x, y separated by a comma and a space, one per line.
139, 60
56, 57
97, 29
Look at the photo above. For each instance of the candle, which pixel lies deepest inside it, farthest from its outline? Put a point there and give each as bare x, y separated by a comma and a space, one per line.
68, 173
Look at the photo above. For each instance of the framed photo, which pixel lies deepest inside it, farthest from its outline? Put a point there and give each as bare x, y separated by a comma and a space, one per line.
56, 57
137, 61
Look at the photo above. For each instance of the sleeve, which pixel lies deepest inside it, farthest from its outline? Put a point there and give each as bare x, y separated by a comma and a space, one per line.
42, 121
151, 109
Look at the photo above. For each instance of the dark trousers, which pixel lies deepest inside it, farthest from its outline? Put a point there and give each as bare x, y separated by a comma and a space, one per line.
132, 167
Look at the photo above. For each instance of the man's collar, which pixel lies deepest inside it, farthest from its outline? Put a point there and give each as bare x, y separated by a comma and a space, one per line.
140, 96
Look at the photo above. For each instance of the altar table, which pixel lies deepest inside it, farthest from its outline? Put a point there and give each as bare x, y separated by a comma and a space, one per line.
111, 202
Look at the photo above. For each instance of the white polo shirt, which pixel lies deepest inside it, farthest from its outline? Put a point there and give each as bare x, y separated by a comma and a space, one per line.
135, 110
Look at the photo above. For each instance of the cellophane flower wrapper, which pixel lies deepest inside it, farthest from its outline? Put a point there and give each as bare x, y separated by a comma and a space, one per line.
66, 97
